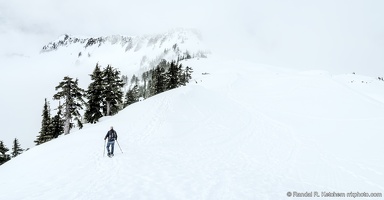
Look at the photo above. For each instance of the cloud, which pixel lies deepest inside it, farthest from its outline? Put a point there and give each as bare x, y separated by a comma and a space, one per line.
340, 36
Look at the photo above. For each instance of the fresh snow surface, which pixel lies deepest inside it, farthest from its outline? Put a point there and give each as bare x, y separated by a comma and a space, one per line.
241, 131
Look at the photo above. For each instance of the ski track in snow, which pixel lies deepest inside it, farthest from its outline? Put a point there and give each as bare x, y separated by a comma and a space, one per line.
211, 140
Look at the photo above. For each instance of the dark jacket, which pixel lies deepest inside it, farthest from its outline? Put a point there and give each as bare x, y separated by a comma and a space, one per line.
111, 135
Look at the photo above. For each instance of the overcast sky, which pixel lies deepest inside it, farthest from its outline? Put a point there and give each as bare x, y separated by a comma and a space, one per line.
335, 35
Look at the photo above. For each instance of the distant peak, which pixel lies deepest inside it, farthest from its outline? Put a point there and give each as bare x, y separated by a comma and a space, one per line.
145, 50
178, 35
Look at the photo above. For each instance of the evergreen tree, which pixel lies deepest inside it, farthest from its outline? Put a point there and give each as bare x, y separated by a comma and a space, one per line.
3, 156
187, 75
173, 76
95, 96
134, 80
187, 55
57, 124
149, 89
141, 92
73, 101
183, 77
45, 131
113, 95
158, 84
16, 149
125, 79
132, 96
144, 91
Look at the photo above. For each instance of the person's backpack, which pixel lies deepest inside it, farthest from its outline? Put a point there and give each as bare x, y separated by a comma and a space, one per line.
112, 135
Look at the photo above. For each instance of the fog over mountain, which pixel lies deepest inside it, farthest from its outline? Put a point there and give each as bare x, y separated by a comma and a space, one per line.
338, 36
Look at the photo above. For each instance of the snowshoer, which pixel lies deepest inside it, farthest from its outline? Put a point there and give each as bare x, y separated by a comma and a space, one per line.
112, 136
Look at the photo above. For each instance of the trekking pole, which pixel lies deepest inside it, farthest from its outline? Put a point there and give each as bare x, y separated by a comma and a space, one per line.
119, 146
104, 149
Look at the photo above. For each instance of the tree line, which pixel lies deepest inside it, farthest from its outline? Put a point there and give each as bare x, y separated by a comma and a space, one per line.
16, 150
165, 76
105, 97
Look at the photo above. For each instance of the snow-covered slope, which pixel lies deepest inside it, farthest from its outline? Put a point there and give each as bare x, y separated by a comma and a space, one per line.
238, 131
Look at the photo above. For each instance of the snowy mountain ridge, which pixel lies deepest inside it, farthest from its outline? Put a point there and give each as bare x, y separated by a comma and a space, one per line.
180, 35
145, 50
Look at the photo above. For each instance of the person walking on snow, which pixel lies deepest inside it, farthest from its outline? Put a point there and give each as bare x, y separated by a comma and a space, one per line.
112, 136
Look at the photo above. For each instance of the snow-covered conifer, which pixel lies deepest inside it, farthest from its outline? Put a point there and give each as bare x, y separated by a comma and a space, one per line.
112, 93
72, 95
95, 96
16, 149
